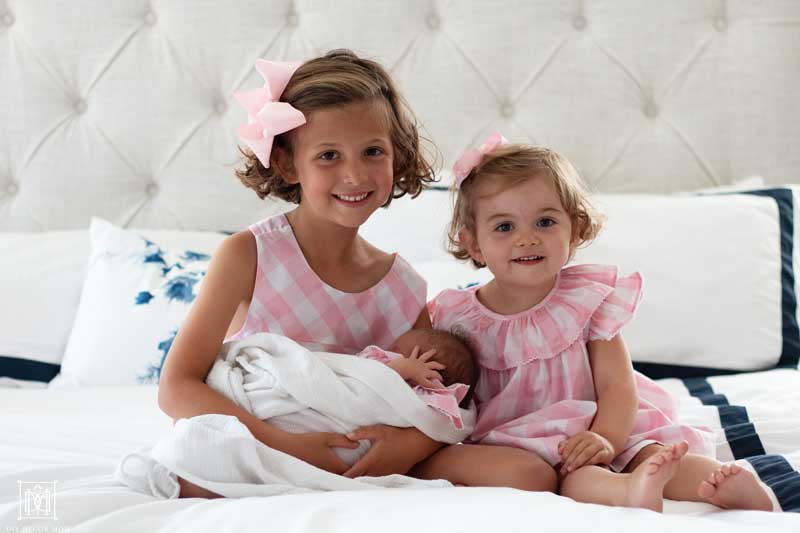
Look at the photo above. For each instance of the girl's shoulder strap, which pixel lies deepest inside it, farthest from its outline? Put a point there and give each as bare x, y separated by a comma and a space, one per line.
270, 224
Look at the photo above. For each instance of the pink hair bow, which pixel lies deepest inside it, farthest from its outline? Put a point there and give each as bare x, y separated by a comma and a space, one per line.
472, 157
266, 116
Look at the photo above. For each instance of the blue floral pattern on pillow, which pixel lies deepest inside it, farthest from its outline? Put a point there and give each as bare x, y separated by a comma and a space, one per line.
178, 283
152, 374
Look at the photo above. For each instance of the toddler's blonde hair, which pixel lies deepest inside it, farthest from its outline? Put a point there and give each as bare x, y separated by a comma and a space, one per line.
509, 166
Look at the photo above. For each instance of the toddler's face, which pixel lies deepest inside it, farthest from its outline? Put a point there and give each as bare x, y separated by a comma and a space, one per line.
522, 234
343, 161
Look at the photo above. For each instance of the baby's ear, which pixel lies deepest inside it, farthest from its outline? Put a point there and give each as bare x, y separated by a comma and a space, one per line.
283, 164
467, 239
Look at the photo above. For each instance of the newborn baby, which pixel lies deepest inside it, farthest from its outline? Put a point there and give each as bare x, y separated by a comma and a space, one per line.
299, 391
432, 359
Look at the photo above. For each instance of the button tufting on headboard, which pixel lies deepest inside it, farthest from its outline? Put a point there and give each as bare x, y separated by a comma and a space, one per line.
80, 106
579, 22
650, 110
646, 99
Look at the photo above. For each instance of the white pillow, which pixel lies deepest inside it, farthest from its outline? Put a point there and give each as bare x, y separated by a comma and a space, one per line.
136, 295
40, 286
719, 295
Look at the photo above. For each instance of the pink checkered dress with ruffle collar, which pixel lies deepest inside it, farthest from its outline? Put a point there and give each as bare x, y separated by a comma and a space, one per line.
536, 387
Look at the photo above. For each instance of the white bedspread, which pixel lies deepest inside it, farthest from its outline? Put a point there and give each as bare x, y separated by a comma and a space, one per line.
76, 437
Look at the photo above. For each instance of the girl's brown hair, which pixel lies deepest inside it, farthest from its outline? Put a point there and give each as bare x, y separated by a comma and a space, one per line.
338, 78
507, 167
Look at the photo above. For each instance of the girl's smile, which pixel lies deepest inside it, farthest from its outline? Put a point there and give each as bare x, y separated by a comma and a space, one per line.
343, 160
524, 236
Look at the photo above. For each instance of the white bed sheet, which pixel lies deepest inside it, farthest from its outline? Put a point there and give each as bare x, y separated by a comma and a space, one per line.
76, 437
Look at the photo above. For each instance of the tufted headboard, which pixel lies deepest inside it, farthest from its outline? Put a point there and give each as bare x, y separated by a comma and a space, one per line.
123, 108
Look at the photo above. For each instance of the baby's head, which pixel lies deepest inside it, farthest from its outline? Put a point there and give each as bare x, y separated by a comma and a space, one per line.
519, 207
453, 352
345, 100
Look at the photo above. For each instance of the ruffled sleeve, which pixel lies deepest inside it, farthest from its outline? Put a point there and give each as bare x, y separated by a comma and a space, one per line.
617, 309
445, 400
377, 353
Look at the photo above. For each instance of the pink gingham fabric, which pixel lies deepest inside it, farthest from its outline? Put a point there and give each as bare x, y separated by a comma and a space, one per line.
290, 299
535, 387
443, 399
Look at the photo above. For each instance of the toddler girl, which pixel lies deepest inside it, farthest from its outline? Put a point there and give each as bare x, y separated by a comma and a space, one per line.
555, 375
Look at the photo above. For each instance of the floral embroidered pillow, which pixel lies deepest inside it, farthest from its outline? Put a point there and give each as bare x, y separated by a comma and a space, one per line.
135, 297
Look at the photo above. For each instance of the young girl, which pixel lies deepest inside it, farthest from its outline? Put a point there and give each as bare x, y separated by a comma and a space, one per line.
334, 136
556, 377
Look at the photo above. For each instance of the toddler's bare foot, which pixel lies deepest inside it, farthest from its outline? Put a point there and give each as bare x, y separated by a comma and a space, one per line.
733, 487
646, 483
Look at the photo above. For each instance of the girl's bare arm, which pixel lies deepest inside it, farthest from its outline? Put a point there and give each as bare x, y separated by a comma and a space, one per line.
615, 386
183, 392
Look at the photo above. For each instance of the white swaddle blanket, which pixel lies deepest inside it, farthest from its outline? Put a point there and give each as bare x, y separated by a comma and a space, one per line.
285, 384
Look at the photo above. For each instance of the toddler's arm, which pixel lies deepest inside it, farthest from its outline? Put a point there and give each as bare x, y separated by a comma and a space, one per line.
614, 384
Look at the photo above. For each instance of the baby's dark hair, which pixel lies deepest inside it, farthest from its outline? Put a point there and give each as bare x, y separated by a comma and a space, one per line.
456, 354
339, 78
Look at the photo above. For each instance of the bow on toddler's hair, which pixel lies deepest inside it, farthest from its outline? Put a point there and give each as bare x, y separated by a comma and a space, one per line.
472, 157
266, 116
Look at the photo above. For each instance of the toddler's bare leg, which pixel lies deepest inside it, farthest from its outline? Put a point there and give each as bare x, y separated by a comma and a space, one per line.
703, 479
643, 487
190, 490
477, 465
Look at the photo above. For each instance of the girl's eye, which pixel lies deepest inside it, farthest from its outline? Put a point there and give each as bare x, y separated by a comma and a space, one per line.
373, 151
503, 227
546, 223
328, 156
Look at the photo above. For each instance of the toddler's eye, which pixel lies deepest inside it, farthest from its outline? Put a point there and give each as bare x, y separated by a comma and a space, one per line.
329, 155
546, 222
373, 151
503, 227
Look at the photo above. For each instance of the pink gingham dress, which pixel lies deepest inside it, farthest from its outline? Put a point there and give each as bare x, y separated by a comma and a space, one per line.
290, 299
536, 387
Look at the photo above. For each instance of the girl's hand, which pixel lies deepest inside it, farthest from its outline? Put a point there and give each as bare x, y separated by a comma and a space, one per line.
394, 450
315, 449
585, 448
418, 368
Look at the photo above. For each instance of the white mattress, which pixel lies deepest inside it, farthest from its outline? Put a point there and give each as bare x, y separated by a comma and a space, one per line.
76, 437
